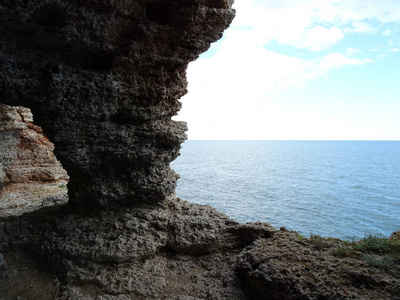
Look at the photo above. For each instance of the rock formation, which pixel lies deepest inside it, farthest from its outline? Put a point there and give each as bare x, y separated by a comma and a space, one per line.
177, 250
25, 153
30, 174
103, 79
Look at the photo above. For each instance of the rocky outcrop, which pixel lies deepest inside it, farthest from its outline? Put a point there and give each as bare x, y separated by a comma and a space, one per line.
103, 79
177, 250
30, 174
173, 250
25, 153
289, 266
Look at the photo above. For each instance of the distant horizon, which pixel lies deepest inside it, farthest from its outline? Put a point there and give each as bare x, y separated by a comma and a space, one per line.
344, 189
294, 140
299, 70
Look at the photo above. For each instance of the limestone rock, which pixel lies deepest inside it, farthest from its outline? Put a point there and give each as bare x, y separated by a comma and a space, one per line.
25, 153
288, 267
178, 250
395, 235
19, 198
173, 250
103, 79
29, 172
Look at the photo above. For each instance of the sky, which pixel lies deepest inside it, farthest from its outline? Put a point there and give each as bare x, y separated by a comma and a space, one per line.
299, 70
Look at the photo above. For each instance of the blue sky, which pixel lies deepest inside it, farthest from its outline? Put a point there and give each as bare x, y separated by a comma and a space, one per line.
300, 69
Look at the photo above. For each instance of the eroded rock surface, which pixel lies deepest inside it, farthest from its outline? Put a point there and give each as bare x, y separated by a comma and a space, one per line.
103, 79
30, 174
25, 153
288, 266
176, 250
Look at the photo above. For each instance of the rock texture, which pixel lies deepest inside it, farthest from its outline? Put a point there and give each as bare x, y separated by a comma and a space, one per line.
30, 174
288, 266
103, 79
25, 153
19, 198
176, 250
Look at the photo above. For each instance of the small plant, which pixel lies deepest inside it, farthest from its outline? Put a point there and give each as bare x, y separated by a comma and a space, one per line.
301, 237
373, 244
62, 186
378, 252
383, 262
379, 261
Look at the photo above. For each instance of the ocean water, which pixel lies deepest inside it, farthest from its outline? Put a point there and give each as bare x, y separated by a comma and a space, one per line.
344, 189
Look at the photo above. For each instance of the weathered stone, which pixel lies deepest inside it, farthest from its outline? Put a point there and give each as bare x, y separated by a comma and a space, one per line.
395, 235
172, 250
179, 250
103, 79
25, 153
29, 172
288, 267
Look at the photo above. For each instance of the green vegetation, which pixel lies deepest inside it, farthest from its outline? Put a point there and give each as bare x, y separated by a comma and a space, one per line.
373, 244
344, 251
301, 237
377, 252
385, 262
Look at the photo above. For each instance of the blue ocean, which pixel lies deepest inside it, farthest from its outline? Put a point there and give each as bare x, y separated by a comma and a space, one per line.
344, 189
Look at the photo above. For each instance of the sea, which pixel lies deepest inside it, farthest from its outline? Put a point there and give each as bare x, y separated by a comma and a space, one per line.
343, 189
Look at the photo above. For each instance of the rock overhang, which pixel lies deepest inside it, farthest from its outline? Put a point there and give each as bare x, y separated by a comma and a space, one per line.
103, 79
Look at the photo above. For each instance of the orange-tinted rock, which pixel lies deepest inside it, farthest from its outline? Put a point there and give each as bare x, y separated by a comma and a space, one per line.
25, 153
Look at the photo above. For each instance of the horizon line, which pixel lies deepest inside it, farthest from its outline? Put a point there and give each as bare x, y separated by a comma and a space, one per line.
294, 140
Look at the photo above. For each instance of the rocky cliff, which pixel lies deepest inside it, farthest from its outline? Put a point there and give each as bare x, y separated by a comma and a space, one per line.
103, 79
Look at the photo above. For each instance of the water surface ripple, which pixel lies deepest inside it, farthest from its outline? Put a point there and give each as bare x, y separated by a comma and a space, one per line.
344, 189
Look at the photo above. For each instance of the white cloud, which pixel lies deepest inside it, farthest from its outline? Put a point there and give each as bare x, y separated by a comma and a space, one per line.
337, 60
234, 91
319, 38
358, 11
313, 24
387, 32
388, 51
232, 95
351, 51
260, 70
359, 27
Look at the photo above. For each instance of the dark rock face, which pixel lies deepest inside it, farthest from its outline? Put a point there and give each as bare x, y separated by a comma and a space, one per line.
286, 267
103, 79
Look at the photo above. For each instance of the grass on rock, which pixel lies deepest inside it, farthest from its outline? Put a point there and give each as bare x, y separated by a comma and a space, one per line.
383, 253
